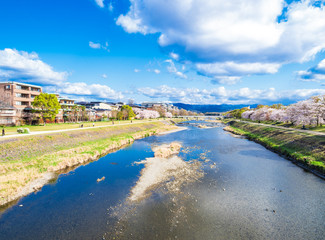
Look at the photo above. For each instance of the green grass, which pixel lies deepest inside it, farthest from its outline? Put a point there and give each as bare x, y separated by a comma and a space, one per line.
24, 159
282, 124
64, 126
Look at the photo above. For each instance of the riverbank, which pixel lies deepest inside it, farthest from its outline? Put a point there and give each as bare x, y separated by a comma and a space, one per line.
29, 163
304, 149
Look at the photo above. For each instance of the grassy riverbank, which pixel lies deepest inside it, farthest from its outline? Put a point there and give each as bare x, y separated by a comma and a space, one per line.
24, 161
287, 125
304, 148
66, 126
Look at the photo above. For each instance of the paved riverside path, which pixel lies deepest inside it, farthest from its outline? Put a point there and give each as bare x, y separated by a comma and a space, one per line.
286, 128
72, 129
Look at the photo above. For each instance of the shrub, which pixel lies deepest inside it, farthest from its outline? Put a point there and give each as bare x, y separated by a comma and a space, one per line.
23, 130
26, 130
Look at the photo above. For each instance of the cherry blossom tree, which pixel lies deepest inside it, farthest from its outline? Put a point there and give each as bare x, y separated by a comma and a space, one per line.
146, 114
306, 112
168, 115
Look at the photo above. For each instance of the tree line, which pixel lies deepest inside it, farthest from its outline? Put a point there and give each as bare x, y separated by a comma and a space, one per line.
307, 112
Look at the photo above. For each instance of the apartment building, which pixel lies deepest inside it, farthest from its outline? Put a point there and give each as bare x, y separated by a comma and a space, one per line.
68, 103
7, 114
98, 105
167, 106
18, 96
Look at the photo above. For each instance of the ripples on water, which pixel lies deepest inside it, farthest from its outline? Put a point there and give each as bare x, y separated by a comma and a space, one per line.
219, 187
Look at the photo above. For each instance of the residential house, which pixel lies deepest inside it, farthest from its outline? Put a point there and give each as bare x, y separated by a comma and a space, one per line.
102, 109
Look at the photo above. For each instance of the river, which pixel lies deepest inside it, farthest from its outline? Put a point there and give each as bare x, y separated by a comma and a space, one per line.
243, 191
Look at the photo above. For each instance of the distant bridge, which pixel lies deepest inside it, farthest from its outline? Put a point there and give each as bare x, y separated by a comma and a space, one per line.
202, 117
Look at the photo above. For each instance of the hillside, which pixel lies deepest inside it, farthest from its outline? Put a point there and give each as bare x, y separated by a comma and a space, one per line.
210, 107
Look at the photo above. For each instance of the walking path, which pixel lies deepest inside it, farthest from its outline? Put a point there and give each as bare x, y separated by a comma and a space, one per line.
121, 124
286, 128
72, 129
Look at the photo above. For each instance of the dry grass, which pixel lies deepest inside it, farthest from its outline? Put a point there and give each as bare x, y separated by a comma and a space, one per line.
26, 160
63, 126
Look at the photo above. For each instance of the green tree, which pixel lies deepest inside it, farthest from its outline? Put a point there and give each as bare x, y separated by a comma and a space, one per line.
236, 113
277, 106
119, 115
126, 112
261, 106
47, 105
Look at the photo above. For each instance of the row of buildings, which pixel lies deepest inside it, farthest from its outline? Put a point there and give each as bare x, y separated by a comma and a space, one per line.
16, 106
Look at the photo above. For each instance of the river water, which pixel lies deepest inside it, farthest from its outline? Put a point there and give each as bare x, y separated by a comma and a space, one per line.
241, 191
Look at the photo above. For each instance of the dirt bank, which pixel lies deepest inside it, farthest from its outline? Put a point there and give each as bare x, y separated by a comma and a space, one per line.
29, 163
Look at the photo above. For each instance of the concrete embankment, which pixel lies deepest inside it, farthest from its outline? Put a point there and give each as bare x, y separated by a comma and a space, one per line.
26, 164
304, 149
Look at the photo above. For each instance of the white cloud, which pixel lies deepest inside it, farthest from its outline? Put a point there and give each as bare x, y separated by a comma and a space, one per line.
96, 91
25, 67
172, 69
229, 80
174, 56
156, 71
94, 45
315, 74
210, 24
100, 3
233, 68
104, 75
131, 25
110, 7
98, 45
181, 75
303, 93
221, 95
19, 65
233, 34
136, 70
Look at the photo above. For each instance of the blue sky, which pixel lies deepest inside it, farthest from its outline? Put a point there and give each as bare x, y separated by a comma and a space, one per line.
199, 51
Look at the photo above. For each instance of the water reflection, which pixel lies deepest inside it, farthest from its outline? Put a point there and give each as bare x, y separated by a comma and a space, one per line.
242, 184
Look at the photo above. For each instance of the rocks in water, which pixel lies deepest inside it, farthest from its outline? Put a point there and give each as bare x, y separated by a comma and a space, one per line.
100, 179
167, 150
269, 210
165, 172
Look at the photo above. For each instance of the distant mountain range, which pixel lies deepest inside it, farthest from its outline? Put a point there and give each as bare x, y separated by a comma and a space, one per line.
211, 108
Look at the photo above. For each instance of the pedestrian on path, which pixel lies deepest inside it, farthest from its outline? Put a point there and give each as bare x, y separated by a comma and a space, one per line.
3, 131
93, 124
